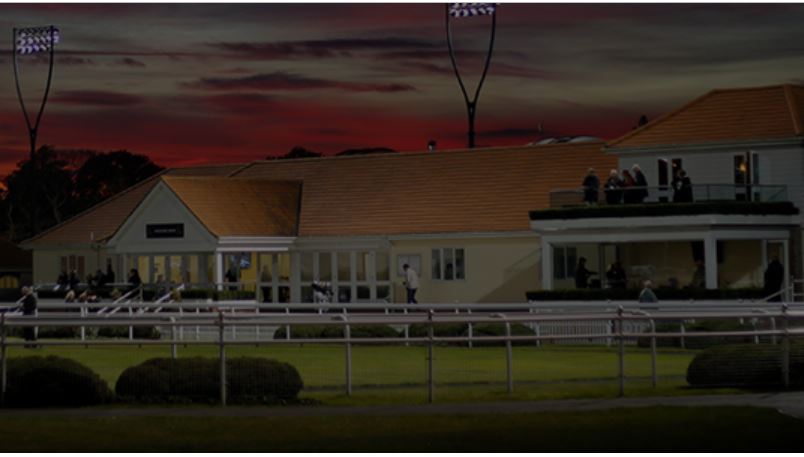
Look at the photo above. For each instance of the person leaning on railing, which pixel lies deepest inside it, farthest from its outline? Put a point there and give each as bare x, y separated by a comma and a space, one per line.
682, 187
614, 193
590, 184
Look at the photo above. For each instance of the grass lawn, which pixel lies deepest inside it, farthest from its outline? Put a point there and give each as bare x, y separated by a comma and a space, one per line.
397, 374
676, 429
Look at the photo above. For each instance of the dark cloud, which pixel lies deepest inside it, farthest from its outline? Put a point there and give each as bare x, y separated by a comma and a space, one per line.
72, 60
96, 98
317, 48
130, 62
281, 81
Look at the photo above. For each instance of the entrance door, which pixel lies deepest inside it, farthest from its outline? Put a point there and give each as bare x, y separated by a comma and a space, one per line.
777, 249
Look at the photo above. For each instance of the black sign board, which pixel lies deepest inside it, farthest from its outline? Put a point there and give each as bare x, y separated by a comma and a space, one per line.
164, 231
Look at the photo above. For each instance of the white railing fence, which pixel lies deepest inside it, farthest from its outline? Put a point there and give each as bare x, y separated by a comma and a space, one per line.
618, 327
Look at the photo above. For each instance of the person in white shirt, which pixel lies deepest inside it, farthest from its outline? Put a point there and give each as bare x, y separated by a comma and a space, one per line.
411, 283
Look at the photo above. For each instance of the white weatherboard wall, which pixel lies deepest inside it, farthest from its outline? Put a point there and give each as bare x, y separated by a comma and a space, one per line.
161, 206
781, 165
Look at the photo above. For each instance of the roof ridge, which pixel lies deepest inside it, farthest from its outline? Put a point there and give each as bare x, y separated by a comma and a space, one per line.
699, 99
100, 204
440, 152
791, 106
661, 119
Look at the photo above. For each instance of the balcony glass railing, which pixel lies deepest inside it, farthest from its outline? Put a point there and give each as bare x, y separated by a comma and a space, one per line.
579, 196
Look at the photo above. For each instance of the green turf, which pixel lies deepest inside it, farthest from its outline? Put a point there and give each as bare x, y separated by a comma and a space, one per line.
324, 366
676, 429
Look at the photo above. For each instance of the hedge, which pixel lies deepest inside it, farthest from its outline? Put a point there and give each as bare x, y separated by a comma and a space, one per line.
675, 209
140, 333
699, 342
478, 330
745, 365
53, 382
663, 293
197, 379
335, 331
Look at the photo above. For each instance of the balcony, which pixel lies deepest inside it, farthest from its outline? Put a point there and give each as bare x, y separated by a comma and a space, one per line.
568, 198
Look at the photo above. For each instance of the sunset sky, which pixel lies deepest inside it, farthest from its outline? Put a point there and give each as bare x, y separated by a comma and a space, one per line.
199, 83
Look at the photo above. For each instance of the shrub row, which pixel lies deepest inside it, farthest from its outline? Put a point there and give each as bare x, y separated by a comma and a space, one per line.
664, 293
699, 342
64, 333
59, 382
414, 331
197, 379
745, 365
53, 382
658, 210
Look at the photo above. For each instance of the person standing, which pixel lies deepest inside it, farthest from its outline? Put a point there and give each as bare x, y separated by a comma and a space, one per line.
612, 188
682, 188
590, 184
774, 278
647, 295
411, 283
582, 274
627, 184
29, 309
641, 183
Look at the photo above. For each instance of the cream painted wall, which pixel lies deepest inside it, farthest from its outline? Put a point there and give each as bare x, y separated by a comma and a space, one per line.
163, 207
497, 269
47, 263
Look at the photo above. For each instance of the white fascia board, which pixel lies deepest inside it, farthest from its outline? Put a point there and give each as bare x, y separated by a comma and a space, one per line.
255, 243
628, 236
342, 243
706, 147
460, 235
679, 222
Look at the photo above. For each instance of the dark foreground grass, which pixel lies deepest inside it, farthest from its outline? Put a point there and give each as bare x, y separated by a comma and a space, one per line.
677, 429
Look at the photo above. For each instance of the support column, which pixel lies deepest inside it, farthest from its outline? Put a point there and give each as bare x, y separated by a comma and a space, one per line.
219, 270
710, 261
547, 265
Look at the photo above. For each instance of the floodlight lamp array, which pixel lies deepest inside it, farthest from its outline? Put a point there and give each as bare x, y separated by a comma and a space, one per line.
35, 40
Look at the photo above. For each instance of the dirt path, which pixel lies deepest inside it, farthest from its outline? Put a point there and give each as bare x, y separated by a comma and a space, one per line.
790, 403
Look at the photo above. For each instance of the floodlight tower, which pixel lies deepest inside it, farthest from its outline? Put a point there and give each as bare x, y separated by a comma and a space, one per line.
460, 10
33, 41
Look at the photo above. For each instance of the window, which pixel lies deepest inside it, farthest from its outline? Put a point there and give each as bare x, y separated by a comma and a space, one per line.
414, 261
564, 260
448, 264
74, 263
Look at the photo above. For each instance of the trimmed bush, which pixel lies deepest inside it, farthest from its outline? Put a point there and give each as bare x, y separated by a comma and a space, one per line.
745, 365
659, 210
335, 331
664, 293
249, 380
478, 330
140, 333
699, 342
37, 382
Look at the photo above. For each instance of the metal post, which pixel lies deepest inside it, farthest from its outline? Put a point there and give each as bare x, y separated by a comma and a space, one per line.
222, 352
130, 327
347, 331
653, 371
621, 352
430, 382
83, 329
509, 358
3, 359
173, 349
257, 326
287, 327
681, 340
785, 349
471, 330
181, 329
407, 330
773, 327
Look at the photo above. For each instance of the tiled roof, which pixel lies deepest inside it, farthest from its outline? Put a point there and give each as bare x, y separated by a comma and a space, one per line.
480, 190
727, 115
240, 207
102, 220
